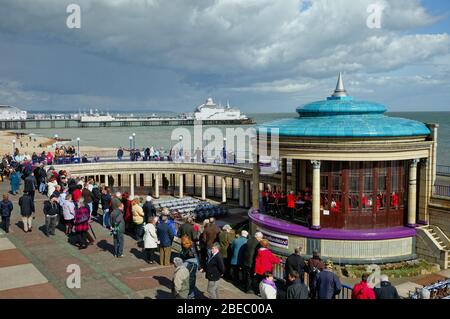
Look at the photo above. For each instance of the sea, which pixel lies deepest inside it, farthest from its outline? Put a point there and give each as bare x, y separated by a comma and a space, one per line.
166, 136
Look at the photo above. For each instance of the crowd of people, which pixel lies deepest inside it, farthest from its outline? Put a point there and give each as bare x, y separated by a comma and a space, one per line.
73, 203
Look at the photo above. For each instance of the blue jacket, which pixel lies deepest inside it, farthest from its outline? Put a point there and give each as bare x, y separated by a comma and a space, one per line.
14, 179
327, 285
237, 250
6, 208
172, 226
165, 234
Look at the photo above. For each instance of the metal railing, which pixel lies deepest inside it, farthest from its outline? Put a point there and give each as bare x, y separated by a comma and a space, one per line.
443, 170
442, 190
346, 292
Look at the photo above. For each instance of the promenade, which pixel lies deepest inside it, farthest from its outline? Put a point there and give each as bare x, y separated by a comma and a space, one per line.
35, 266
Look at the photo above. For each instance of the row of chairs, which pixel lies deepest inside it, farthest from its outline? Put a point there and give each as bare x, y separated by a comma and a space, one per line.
215, 211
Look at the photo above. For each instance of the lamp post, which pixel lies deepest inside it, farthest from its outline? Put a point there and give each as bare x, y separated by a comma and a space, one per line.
134, 140
224, 151
78, 144
181, 150
56, 140
131, 146
14, 147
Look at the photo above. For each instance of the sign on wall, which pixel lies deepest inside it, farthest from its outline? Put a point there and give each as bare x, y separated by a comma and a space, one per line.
276, 240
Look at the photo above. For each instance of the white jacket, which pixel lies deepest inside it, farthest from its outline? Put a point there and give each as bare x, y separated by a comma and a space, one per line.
267, 291
51, 188
150, 236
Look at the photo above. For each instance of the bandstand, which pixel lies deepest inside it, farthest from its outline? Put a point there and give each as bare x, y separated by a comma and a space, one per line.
370, 177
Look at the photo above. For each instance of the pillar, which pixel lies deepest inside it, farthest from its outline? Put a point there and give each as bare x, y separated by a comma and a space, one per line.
424, 191
241, 193
106, 180
255, 188
302, 173
156, 186
316, 196
181, 185
224, 189
203, 187
132, 185
284, 175
247, 194
412, 193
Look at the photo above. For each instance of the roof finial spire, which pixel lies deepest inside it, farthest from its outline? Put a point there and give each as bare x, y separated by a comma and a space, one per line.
340, 90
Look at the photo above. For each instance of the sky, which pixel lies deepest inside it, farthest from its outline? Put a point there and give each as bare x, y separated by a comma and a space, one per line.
260, 55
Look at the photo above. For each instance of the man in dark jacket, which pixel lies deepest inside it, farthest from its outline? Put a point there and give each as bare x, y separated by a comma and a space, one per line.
215, 268
26, 210
149, 208
327, 284
6, 207
315, 266
297, 289
386, 290
51, 210
41, 176
165, 237
210, 233
187, 229
118, 229
250, 249
30, 185
295, 262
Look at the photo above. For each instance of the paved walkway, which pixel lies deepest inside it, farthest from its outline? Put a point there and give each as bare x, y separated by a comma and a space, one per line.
35, 266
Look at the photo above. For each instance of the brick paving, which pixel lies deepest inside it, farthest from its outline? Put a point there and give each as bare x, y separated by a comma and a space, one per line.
35, 266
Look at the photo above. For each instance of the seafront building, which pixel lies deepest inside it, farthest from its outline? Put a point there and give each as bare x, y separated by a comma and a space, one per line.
12, 113
371, 179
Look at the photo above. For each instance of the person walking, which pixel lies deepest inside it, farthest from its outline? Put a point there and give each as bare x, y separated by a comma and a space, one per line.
88, 198
6, 208
191, 261
362, 290
51, 211
226, 237
215, 268
386, 290
118, 229
210, 234
315, 266
120, 154
150, 239
68, 208
138, 219
187, 229
106, 201
251, 247
81, 223
96, 198
30, 185
180, 282
237, 253
295, 262
14, 181
326, 283
265, 260
296, 289
149, 208
267, 287
26, 204
165, 237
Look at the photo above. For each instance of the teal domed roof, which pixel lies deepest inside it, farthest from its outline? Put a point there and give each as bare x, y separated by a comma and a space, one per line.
342, 116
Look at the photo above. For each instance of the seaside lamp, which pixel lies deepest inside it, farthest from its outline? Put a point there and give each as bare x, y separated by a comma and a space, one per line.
134, 140
78, 143
56, 140
14, 146
131, 146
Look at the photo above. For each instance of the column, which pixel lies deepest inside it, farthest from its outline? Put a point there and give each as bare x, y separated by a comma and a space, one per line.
316, 196
284, 175
255, 188
156, 186
203, 187
412, 193
247, 194
224, 189
131, 185
424, 191
241, 193
106, 180
181, 185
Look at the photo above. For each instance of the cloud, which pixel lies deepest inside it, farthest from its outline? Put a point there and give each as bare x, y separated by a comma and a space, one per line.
234, 46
